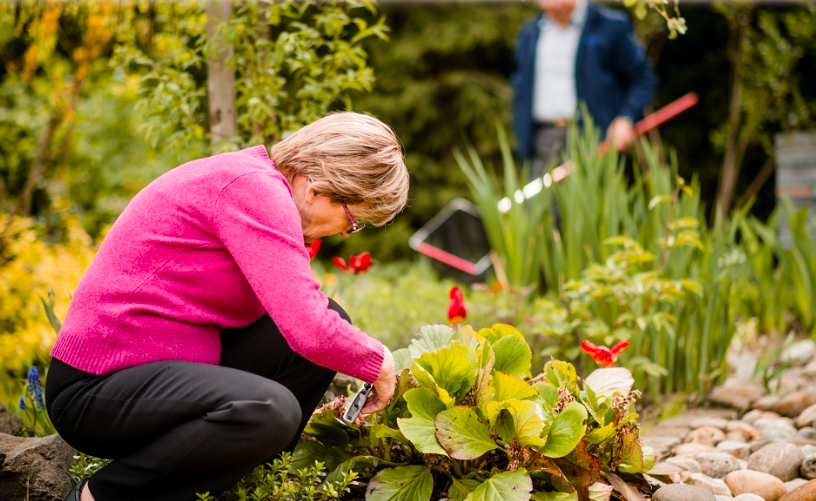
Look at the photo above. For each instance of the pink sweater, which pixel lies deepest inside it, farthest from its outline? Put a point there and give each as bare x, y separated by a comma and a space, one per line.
210, 245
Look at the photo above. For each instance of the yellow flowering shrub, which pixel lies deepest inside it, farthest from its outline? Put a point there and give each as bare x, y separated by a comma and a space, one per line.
29, 268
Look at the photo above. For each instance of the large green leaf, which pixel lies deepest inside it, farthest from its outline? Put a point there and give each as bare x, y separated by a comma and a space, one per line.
513, 356
422, 434
561, 374
325, 427
508, 387
402, 359
498, 331
631, 457
420, 429
608, 382
547, 396
566, 431
507, 486
484, 376
462, 434
450, 369
426, 380
526, 421
431, 338
460, 489
423, 404
403, 483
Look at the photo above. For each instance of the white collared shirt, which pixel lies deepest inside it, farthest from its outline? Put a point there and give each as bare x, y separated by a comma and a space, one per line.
554, 95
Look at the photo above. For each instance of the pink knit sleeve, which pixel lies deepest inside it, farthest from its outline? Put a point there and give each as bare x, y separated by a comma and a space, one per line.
258, 223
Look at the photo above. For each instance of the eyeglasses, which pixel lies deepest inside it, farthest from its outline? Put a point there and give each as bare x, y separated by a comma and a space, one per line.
355, 225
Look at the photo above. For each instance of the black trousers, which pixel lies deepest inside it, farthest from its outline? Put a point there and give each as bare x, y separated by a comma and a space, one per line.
177, 428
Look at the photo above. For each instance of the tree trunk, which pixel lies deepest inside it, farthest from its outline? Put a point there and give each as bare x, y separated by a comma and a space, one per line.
732, 160
220, 75
38, 165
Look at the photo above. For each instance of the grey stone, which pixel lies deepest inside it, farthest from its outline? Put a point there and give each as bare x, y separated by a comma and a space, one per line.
806, 433
808, 450
681, 492
755, 446
35, 469
808, 467
739, 450
781, 460
717, 464
780, 429
736, 395
712, 422
663, 445
747, 431
687, 464
341, 385
767, 403
10, 423
794, 404
706, 435
807, 417
713, 485
692, 449
795, 483
799, 352
752, 416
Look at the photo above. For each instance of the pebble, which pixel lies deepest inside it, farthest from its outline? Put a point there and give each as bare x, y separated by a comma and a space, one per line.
795, 483
795, 403
740, 450
713, 485
764, 485
706, 435
748, 497
806, 492
682, 492
686, 464
799, 352
736, 395
808, 467
807, 417
717, 464
806, 433
781, 460
752, 416
693, 449
712, 422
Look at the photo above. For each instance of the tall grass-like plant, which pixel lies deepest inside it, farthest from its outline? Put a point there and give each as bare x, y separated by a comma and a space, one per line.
514, 234
679, 344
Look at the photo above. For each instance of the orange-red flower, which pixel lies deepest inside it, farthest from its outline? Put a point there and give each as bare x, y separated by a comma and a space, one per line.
356, 264
457, 313
603, 355
313, 248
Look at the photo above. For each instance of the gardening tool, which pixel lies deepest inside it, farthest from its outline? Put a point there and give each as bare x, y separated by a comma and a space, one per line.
357, 403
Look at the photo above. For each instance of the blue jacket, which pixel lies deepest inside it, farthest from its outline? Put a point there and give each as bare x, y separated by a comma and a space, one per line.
612, 73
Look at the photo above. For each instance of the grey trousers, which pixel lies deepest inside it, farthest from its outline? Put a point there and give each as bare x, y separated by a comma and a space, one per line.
549, 144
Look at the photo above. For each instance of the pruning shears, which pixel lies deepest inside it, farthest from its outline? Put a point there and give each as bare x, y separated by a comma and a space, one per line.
356, 404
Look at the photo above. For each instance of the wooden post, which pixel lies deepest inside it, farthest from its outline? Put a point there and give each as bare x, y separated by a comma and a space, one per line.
220, 75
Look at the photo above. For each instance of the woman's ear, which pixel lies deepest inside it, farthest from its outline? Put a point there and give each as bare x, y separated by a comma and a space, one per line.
310, 195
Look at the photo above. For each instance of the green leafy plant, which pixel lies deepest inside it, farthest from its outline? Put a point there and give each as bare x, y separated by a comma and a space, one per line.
280, 481
468, 423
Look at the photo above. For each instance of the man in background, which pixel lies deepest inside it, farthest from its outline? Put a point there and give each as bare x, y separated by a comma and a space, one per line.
574, 52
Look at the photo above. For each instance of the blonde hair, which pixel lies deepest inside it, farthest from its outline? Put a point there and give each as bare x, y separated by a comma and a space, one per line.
351, 158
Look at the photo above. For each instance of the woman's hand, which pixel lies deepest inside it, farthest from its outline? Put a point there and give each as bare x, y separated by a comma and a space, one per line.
383, 386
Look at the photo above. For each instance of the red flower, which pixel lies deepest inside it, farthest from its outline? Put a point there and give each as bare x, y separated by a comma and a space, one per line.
361, 263
357, 264
457, 313
313, 248
603, 355
340, 263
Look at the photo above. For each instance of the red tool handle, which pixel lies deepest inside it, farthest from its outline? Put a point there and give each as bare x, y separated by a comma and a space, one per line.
660, 116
